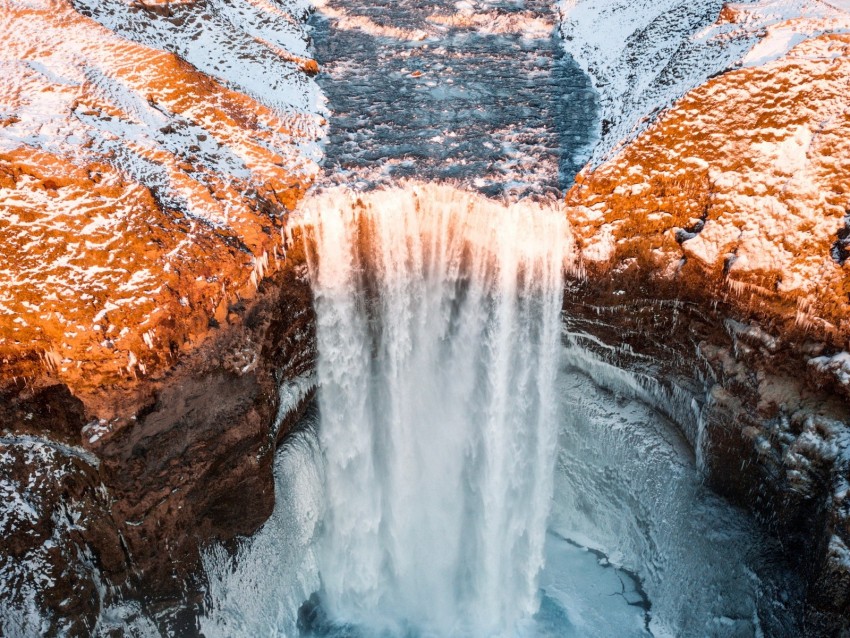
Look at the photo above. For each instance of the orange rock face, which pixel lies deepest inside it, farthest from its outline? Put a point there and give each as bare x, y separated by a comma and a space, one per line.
147, 310
740, 191
139, 200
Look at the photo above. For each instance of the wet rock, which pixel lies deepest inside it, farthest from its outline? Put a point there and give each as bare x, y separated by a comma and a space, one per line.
768, 434
58, 544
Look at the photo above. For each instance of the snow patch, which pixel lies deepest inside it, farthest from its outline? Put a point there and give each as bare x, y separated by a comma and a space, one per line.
642, 55
837, 365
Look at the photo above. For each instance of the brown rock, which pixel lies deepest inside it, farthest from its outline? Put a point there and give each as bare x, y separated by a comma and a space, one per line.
310, 67
149, 309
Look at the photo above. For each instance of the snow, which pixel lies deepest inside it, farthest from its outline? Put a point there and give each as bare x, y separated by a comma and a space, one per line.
837, 365
752, 333
39, 521
773, 46
790, 155
643, 55
47, 446
839, 551
787, 23
228, 40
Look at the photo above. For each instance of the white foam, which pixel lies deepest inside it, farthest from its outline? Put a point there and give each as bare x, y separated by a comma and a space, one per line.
438, 328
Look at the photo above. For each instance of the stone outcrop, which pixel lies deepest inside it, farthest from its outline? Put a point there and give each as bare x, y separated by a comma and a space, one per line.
714, 254
738, 192
641, 55
141, 199
191, 466
150, 305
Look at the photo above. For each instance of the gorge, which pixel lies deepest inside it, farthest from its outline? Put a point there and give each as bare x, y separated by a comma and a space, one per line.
482, 322
448, 388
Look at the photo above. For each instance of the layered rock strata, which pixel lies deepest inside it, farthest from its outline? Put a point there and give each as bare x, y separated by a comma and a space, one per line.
714, 247
150, 311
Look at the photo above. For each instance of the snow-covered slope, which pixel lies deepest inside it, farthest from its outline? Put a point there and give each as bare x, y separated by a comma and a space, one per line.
742, 185
129, 156
256, 47
644, 54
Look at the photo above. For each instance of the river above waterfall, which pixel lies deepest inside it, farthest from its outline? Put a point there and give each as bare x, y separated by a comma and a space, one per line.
477, 93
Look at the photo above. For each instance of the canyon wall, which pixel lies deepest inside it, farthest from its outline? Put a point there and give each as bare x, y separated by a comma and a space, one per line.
714, 246
151, 310
156, 327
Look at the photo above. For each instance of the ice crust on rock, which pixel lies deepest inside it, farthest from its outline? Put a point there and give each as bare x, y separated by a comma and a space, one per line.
838, 365
43, 538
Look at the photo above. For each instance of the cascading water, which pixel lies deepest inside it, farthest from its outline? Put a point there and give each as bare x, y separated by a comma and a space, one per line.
418, 503
438, 330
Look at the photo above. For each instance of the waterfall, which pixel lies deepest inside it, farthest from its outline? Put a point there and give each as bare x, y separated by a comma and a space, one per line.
438, 334
257, 592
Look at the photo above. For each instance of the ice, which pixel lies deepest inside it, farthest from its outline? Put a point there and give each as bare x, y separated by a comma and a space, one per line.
587, 597
292, 394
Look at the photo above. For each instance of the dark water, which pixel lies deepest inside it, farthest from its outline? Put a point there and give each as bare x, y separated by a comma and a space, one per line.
474, 92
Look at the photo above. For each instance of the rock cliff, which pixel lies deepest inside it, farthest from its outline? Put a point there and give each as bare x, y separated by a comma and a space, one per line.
156, 328
149, 311
714, 248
